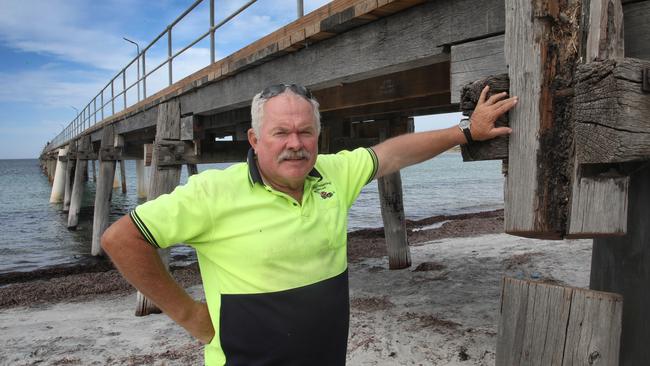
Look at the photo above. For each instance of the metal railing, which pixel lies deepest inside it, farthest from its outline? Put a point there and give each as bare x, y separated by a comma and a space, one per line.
89, 115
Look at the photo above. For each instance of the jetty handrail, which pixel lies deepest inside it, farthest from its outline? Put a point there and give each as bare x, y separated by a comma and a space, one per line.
88, 116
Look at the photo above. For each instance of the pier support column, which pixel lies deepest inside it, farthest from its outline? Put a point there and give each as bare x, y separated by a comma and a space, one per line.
163, 178
621, 264
58, 185
69, 171
78, 185
192, 169
94, 171
142, 179
104, 188
392, 203
123, 175
392, 212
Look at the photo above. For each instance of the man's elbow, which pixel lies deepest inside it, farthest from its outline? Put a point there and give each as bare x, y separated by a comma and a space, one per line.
108, 240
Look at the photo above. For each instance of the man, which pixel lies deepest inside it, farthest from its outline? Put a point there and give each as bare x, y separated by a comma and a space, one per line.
270, 234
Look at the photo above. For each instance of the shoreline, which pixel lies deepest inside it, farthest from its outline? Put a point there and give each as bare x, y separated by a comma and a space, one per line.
443, 310
97, 277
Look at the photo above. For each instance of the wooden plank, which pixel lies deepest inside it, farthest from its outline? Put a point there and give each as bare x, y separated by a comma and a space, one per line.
540, 69
475, 60
612, 112
393, 87
621, 264
599, 206
547, 325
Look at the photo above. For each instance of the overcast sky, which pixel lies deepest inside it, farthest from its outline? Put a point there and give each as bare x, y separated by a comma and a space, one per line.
56, 55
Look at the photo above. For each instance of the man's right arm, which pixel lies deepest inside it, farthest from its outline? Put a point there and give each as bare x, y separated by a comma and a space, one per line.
141, 265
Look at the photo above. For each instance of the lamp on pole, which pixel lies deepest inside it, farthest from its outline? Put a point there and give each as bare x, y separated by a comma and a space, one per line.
138, 62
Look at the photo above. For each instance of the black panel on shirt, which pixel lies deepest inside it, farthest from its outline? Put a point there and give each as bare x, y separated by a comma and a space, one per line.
303, 326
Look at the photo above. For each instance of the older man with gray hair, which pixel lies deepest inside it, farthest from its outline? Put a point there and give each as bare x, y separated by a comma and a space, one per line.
271, 233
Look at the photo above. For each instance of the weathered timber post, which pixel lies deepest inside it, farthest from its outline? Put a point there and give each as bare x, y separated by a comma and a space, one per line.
392, 204
123, 175
141, 179
192, 169
548, 325
599, 197
540, 53
58, 185
69, 171
78, 185
116, 180
107, 157
622, 265
165, 174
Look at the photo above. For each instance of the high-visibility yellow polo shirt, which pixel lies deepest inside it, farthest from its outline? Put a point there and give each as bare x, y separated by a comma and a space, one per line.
274, 270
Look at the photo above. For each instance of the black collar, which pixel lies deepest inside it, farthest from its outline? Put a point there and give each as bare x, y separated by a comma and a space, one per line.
254, 172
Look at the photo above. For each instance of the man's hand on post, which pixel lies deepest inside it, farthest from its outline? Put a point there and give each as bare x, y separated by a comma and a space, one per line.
487, 112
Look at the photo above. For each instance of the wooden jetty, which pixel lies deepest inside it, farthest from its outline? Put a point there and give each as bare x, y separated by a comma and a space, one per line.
575, 164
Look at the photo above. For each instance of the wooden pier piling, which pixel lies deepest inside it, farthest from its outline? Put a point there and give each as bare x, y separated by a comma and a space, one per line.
392, 203
103, 192
123, 175
58, 182
70, 167
163, 179
142, 179
78, 185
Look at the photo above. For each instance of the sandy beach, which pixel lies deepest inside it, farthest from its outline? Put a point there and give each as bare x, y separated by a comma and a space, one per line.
443, 310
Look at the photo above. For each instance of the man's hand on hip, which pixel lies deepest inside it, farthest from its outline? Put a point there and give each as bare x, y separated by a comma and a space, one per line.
198, 323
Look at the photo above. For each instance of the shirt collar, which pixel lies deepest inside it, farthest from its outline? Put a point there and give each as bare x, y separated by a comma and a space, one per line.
254, 172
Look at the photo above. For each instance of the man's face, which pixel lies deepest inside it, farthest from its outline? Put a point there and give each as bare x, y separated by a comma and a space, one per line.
288, 143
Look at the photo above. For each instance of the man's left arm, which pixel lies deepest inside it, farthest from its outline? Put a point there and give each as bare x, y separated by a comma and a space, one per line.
401, 151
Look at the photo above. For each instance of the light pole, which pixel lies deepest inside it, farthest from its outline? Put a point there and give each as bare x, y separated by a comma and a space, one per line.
138, 62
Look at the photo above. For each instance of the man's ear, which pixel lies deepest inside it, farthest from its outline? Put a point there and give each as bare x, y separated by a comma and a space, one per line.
252, 138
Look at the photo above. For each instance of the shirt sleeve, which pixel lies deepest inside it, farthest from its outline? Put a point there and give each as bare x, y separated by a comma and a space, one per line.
352, 170
182, 216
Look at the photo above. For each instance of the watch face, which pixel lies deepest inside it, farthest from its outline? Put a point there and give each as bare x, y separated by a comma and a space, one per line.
464, 123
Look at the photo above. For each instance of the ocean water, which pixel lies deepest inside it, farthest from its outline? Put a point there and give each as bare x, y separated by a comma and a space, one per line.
34, 235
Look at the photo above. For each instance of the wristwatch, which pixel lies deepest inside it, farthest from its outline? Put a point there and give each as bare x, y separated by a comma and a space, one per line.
464, 126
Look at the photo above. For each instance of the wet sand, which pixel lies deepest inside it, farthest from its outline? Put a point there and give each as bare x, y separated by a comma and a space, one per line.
441, 311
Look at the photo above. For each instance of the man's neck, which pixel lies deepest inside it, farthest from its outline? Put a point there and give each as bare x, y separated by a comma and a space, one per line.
294, 191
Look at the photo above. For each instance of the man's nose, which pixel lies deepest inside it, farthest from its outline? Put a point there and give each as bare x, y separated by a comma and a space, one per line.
294, 142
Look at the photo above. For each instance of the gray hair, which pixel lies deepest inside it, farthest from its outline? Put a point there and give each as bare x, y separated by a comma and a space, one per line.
257, 111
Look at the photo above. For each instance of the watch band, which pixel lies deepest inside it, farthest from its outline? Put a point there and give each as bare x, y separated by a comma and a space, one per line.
466, 130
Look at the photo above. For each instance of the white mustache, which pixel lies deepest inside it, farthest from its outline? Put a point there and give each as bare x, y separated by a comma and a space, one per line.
289, 154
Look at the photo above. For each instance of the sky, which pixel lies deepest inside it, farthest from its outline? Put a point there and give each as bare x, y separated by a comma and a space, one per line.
57, 55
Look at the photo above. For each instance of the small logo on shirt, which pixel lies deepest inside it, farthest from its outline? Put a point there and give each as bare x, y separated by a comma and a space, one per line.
326, 195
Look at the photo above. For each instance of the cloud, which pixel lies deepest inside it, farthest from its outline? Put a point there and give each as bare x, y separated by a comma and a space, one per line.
61, 28
50, 87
